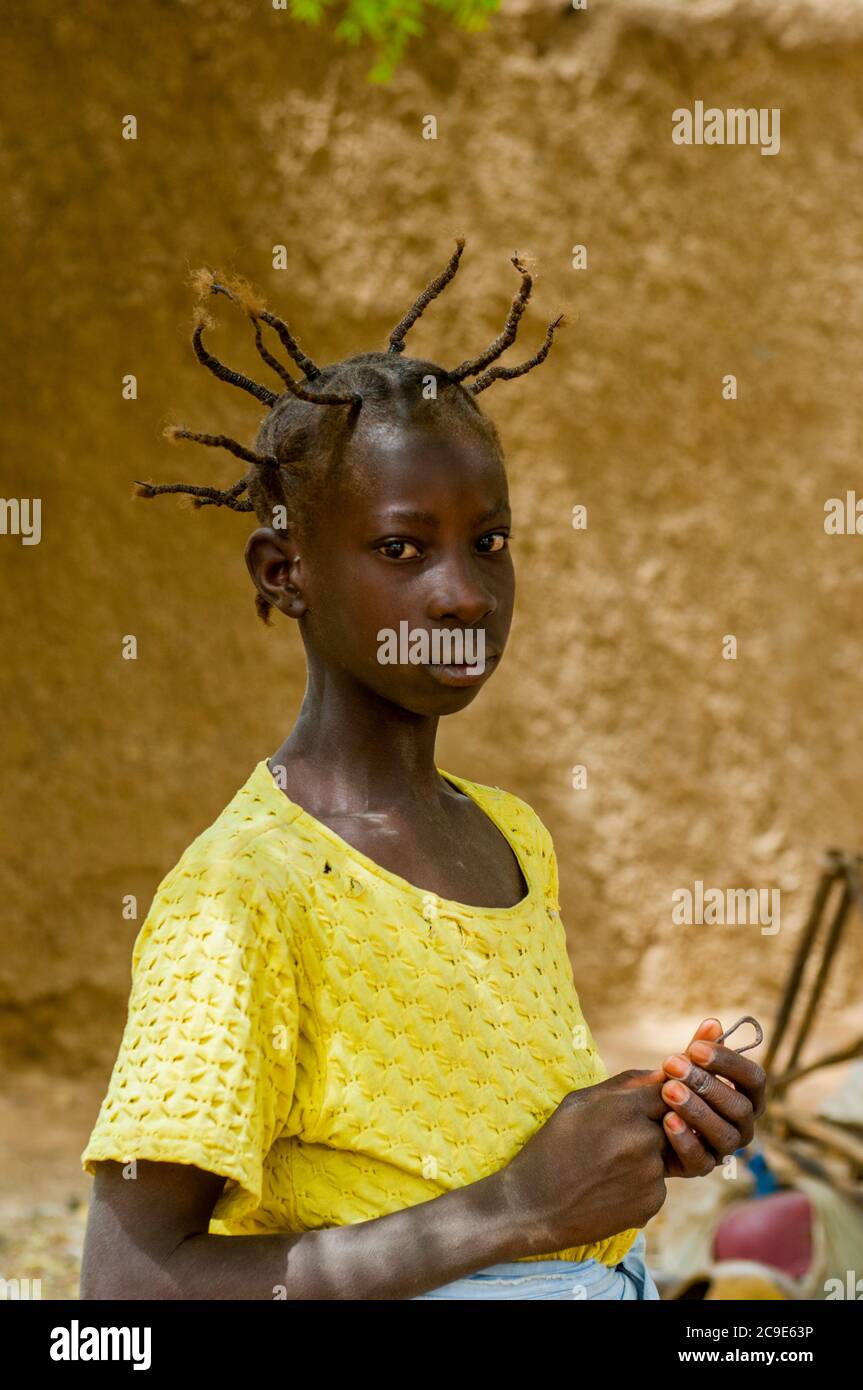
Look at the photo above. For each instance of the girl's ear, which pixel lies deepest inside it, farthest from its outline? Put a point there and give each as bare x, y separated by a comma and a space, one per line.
273, 562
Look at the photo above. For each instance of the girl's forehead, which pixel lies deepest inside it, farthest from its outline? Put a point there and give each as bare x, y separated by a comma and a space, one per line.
399, 459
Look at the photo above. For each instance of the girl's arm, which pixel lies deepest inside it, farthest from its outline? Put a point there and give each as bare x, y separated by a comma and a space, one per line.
593, 1169
147, 1239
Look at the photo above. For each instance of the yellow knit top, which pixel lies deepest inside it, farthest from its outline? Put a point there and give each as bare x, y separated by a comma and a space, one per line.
336, 1042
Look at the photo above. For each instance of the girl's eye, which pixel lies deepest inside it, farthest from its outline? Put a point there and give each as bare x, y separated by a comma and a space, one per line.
497, 540
396, 550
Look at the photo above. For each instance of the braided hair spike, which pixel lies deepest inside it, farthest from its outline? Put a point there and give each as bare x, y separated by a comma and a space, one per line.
507, 373
397, 337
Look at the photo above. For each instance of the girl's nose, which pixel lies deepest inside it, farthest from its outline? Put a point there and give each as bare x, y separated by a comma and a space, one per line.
459, 595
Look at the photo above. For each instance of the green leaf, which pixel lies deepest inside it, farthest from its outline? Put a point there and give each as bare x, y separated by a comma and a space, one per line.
389, 25
307, 11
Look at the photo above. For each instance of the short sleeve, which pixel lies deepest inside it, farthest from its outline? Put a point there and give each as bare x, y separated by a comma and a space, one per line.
207, 1063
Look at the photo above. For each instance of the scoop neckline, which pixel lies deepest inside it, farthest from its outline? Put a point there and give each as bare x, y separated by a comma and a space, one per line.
298, 813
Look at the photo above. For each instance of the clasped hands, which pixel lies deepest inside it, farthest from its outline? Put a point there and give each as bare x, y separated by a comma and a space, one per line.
707, 1118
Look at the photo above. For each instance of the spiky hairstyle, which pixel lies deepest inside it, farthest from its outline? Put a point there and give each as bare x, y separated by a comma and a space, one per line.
298, 445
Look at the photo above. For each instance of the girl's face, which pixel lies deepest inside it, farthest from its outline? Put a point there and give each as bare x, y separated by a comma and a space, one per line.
415, 533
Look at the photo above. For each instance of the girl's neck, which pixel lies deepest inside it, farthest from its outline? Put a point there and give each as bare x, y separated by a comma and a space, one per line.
351, 751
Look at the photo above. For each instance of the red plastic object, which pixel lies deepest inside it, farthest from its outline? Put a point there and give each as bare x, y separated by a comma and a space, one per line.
774, 1230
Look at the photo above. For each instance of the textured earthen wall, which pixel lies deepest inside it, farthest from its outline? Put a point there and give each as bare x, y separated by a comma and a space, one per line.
705, 516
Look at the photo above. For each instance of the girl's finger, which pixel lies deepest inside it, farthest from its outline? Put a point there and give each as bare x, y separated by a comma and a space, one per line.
709, 1030
730, 1104
723, 1137
693, 1159
747, 1076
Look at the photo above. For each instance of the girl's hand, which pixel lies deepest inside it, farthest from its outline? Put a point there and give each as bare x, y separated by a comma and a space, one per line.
715, 1117
595, 1167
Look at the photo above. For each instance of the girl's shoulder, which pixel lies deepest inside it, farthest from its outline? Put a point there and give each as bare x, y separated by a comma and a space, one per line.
516, 817
502, 802
233, 867
242, 835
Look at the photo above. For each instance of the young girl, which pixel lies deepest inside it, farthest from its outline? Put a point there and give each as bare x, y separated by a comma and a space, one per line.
355, 1063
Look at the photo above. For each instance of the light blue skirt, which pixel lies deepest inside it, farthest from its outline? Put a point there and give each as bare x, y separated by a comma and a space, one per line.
558, 1279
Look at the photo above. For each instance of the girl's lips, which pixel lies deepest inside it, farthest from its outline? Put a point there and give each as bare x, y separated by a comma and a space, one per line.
460, 675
